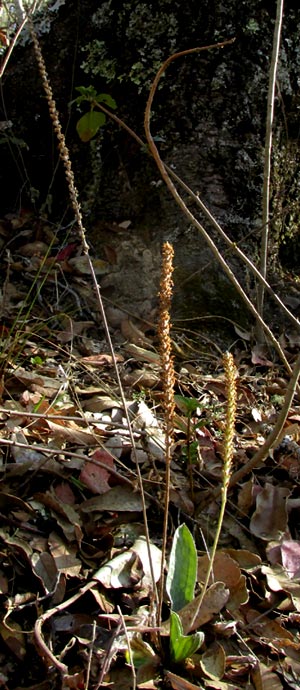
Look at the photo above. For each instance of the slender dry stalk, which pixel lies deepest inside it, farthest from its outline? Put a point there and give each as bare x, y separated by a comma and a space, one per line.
167, 179
65, 157
267, 160
228, 452
62, 147
233, 246
133, 672
168, 382
23, 17
274, 437
90, 657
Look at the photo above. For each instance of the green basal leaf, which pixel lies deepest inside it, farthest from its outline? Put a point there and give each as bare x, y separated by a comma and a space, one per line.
107, 99
141, 652
186, 405
89, 124
182, 573
182, 646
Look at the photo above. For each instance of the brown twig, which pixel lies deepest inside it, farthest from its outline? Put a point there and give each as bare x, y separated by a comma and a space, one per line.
167, 179
233, 246
13, 42
48, 614
73, 193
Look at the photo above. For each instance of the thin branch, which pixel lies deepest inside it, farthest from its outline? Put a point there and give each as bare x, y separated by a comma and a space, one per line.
15, 38
73, 193
133, 672
167, 179
267, 156
198, 201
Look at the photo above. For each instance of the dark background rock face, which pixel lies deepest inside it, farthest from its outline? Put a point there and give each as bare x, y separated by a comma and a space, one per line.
209, 116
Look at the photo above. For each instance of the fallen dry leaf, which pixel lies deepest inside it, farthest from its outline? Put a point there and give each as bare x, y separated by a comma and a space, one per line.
94, 477
214, 600
133, 334
213, 661
269, 520
119, 498
226, 570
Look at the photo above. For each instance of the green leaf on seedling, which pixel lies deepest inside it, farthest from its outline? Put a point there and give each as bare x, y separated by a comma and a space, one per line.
182, 646
89, 124
87, 92
186, 405
141, 652
182, 574
107, 99
36, 361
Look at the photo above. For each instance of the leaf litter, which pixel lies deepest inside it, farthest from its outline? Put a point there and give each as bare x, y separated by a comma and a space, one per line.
74, 560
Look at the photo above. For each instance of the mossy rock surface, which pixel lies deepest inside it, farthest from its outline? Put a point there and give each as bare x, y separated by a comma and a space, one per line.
209, 116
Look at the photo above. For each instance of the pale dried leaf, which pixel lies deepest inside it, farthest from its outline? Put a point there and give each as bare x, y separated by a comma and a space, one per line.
70, 431
95, 477
213, 661
226, 570
214, 600
290, 555
179, 683
44, 567
277, 580
133, 334
64, 555
269, 520
119, 498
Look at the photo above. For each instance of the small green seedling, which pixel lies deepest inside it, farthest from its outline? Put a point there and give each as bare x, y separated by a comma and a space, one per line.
190, 452
89, 124
180, 585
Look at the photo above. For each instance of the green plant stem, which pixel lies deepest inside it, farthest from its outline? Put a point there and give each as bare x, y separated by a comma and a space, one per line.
267, 161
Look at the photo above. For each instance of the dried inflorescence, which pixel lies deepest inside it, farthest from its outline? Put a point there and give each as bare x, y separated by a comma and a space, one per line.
228, 444
62, 147
164, 327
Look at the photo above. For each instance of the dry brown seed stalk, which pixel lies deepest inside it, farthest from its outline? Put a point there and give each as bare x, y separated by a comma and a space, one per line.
164, 327
168, 382
228, 445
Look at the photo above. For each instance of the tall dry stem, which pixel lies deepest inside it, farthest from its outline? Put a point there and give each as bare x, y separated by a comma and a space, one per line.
168, 382
267, 162
167, 179
195, 198
65, 157
228, 452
